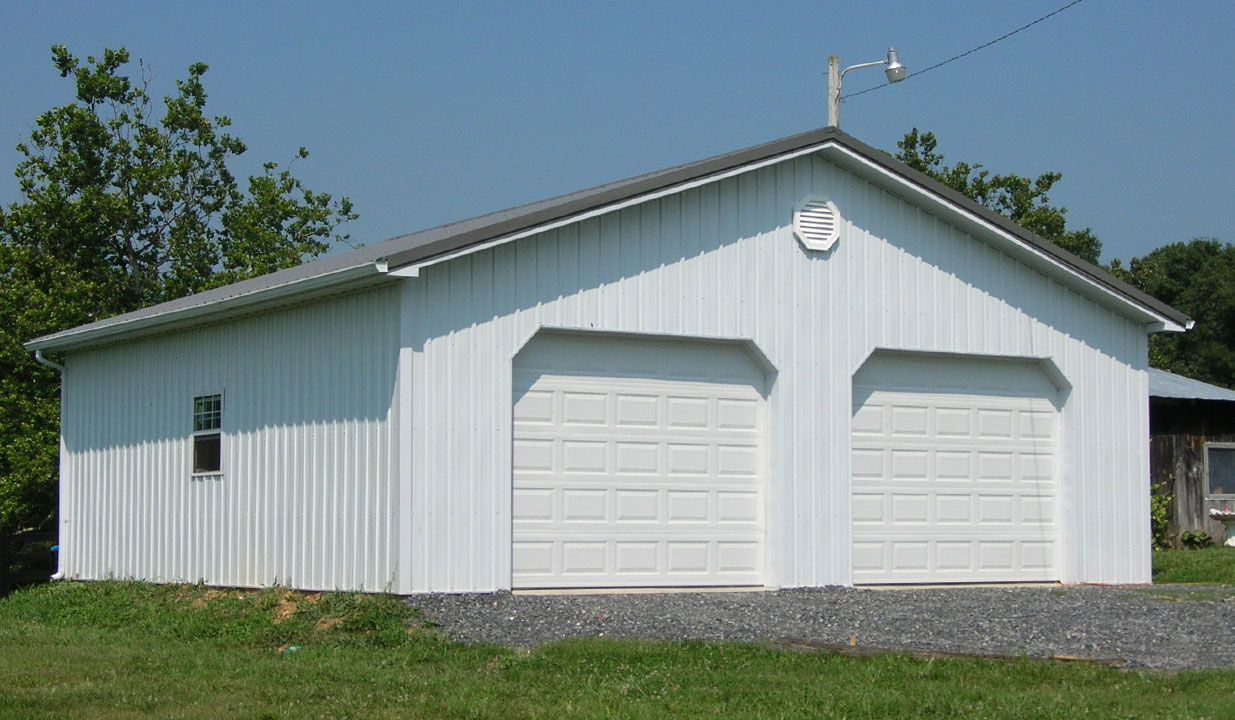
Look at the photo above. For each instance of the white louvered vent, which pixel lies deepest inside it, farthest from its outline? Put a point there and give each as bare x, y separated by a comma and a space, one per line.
816, 223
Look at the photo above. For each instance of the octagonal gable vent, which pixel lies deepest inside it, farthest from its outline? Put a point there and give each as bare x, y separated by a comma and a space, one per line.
816, 223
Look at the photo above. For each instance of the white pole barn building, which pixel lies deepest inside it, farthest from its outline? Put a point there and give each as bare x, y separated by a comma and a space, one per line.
798, 364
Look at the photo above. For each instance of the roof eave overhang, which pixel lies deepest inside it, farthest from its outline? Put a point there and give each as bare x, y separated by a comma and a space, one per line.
867, 162
290, 293
411, 262
915, 187
1042, 255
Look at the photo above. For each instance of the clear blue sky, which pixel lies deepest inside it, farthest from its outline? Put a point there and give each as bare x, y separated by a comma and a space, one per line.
426, 113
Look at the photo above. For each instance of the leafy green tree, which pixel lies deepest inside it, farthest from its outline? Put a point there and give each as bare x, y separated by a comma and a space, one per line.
125, 205
1023, 200
1197, 278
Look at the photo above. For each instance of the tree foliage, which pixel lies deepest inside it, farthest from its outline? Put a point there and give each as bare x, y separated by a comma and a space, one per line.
126, 204
1197, 278
1024, 200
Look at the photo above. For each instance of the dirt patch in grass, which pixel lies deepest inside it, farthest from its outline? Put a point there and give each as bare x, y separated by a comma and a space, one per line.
326, 623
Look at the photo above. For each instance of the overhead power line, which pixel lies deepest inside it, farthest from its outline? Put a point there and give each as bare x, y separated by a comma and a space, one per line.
954, 58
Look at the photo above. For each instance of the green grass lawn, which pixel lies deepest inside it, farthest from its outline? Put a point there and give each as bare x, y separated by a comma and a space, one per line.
1211, 566
127, 650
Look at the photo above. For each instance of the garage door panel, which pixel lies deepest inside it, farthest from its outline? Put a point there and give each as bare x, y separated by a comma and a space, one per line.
1038, 555
955, 555
584, 456
533, 557
971, 531
953, 486
1038, 424
955, 560
636, 411
636, 481
688, 526
908, 421
533, 504
957, 465
1037, 510
536, 406
634, 557
584, 408
954, 509
869, 508
909, 464
636, 457
581, 505
688, 459
737, 414
953, 423
654, 561
532, 454
635, 505
868, 420
628, 434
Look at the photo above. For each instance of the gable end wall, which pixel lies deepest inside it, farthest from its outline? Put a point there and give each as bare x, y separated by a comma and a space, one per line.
720, 261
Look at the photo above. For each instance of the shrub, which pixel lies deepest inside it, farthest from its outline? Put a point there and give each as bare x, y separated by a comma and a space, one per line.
1159, 517
1196, 539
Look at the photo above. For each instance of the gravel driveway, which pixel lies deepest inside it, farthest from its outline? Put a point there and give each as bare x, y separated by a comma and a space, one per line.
1160, 627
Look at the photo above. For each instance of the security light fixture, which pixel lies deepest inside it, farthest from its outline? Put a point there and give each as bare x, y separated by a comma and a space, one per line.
895, 72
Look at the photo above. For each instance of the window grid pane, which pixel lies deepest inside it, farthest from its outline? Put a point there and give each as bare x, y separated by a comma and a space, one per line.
207, 457
1221, 468
207, 412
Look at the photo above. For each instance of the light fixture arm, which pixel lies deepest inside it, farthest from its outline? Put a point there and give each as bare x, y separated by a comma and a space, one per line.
861, 65
895, 72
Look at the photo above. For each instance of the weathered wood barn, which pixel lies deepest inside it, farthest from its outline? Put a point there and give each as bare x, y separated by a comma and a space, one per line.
798, 364
1192, 450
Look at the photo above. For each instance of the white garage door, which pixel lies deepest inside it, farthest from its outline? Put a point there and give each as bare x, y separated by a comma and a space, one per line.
636, 464
954, 471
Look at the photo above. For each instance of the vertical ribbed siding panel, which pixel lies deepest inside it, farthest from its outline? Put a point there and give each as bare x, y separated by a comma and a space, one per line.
305, 496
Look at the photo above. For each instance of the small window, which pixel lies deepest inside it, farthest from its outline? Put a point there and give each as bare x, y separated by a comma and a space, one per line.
207, 435
1220, 468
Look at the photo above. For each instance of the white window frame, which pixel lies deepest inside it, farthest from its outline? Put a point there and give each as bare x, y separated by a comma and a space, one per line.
1220, 446
194, 433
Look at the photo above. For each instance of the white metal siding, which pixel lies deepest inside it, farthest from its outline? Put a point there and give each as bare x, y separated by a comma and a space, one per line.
637, 463
306, 497
954, 471
720, 261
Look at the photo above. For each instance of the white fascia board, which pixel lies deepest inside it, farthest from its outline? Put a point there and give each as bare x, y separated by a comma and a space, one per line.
413, 269
242, 304
1070, 276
